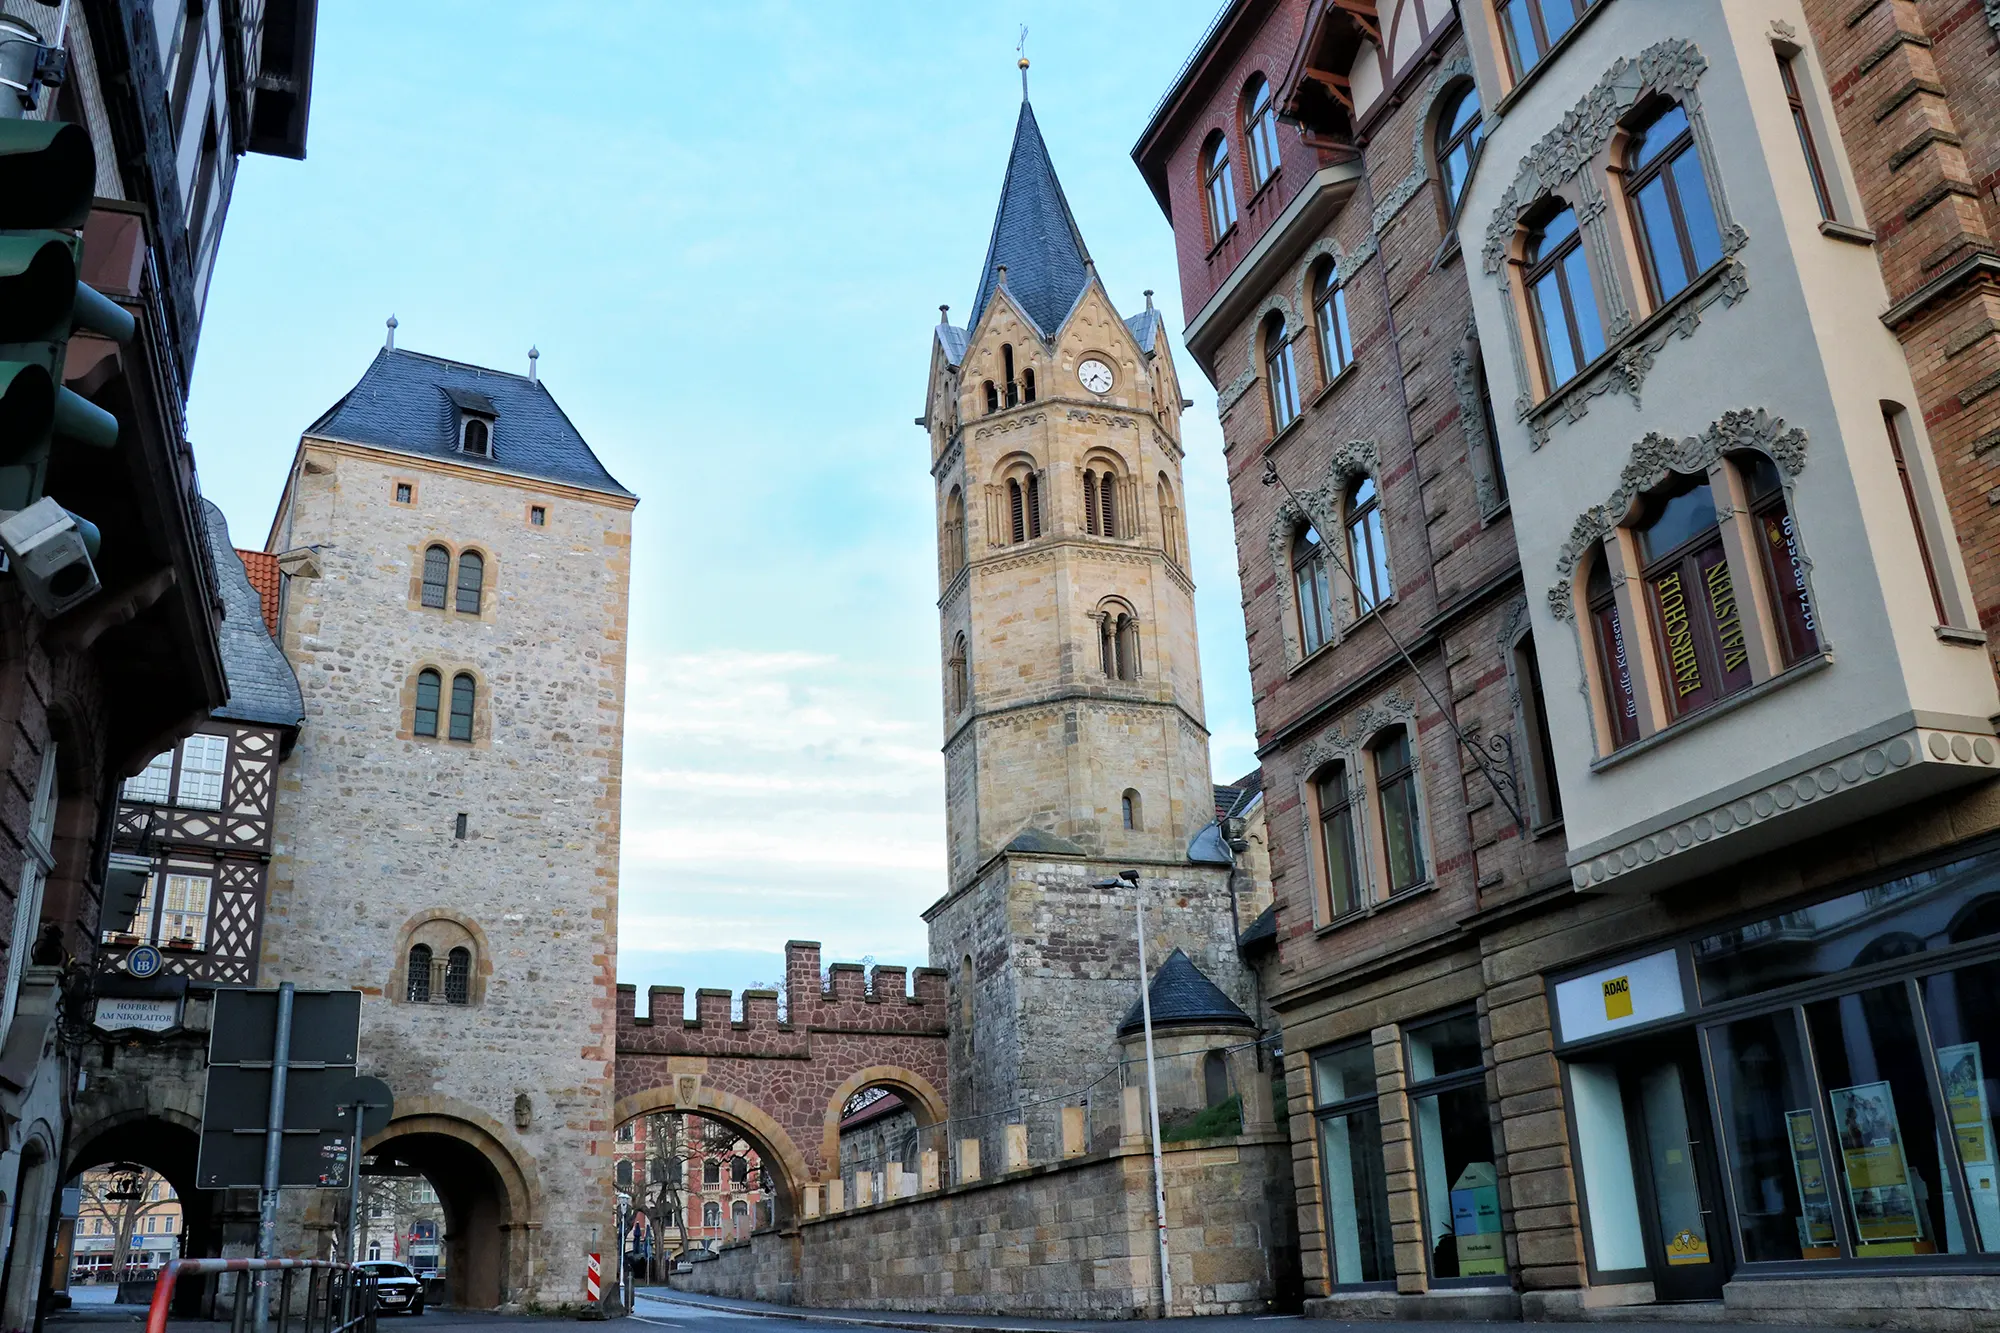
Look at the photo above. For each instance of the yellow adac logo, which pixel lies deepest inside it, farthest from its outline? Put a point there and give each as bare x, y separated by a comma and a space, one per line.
1618, 997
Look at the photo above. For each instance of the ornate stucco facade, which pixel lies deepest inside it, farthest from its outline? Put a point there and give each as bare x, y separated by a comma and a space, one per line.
455, 605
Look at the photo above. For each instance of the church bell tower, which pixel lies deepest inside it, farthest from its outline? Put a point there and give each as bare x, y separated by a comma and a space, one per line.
1074, 740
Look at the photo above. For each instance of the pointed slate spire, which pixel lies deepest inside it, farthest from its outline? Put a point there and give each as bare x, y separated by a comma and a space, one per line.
1182, 995
1034, 236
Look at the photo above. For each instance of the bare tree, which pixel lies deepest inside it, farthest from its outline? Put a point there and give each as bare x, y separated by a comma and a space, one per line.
119, 1196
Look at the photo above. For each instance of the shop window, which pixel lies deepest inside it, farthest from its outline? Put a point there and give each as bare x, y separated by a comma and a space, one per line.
1569, 335
1355, 1194
1950, 905
1336, 836
1963, 1010
1697, 624
1614, 666
1888, 1149
1778, 546
1460, 1188
1670, 205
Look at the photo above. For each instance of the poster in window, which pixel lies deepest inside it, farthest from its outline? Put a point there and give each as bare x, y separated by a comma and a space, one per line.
1871, 1150
1475, 1221
1964, 1075
1816, 1238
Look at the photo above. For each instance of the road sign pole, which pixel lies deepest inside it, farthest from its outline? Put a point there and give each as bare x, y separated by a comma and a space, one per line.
274, 1139
354, 1188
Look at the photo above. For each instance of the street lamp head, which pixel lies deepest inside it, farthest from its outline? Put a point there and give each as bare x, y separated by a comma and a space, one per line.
1108, 882
1129, 876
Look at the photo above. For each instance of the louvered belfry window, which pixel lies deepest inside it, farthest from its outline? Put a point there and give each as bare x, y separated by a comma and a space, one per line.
437, 573
471, 579
1016, 514
1034, 505
1107, 507
1090, 519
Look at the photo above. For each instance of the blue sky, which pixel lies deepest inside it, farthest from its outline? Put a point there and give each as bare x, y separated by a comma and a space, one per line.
728, 228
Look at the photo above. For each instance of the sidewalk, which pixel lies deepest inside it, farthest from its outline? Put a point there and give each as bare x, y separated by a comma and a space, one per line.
956, 1323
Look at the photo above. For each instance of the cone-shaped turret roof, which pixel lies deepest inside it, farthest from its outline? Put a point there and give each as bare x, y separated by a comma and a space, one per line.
1182, 995
1034, 236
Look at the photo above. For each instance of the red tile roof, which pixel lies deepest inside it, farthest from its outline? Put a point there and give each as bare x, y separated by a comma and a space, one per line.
263, 571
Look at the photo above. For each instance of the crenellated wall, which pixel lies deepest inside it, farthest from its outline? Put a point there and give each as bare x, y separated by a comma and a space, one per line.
783, 1081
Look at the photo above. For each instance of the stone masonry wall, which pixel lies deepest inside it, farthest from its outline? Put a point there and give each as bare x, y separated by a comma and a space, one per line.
1075, 1240
366, 846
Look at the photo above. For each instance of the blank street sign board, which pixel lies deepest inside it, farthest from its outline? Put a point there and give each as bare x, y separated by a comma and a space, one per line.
317, 1148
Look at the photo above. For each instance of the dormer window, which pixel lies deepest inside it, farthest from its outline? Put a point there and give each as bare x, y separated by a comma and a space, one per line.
476, 419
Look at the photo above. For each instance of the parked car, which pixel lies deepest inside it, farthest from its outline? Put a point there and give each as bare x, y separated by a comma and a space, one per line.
397, 1289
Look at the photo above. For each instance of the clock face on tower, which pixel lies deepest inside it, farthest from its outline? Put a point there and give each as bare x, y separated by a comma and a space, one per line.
1094, 375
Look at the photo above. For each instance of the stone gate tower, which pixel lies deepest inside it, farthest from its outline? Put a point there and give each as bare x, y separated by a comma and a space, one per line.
1074, 738
456, 565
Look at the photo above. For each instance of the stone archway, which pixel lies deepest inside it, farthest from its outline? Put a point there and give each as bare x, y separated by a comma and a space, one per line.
167, 1141
774, 1146
915, 1090
28, 1229
489, 1198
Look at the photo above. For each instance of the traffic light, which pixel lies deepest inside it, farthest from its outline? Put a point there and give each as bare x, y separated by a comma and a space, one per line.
47, 174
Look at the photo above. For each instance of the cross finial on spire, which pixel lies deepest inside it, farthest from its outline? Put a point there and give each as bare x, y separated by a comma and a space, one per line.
1021, 49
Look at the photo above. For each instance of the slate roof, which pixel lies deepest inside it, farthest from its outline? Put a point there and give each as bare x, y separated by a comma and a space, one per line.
262, 688
1034, 235
405, 401
1209, 847
953, 341
1145, 325
1031, 839
1261, 933
1183, 997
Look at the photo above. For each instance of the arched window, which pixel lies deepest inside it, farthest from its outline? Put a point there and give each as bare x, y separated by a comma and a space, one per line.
1007, 370
462, 694
1260, 128
711, 1216
1313, 587
1128, 647
437, 573
1336, 348
1367, 550
1670, 205
1336, 842
739, 1170
1703, 653
961, 676
1034, 504
1118, 644
1091, 523
458, 976
1279, 373
1028, 385
954, 532
711, 1174
1170, 528
1568, 332
1459, 131
1798, 627
1216, 187
1402, 817
477, 439
1533, 26
992, 397
1215, 1078
739, 1218
1017, 512
471, 581
419, 988
965, 999
1128, 809
426, 721
1614, 667
1107, 503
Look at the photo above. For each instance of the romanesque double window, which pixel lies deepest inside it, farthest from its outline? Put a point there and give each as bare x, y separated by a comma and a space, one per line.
434, 980
953, 545
429, 705
960, 670
1012, 390
463, 594
1118, 641
1383, 830
1100, 503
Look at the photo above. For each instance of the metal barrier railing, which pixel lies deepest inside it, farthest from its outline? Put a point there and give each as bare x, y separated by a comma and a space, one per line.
338, 1298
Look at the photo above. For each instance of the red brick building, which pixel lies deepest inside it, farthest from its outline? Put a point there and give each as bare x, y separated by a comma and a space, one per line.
1617, 600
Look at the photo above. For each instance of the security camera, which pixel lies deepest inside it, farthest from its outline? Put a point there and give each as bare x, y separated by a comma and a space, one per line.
49, 550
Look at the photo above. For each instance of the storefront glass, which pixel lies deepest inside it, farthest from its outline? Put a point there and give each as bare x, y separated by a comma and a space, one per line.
1461, 1199
1963, 1009
1358, 1242
1784, 1209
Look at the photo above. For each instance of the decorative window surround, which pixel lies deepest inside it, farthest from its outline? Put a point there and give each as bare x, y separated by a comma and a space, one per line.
1559, 164
1351, 460
1404, 190
1656, 455
1348, 745
1481, 452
